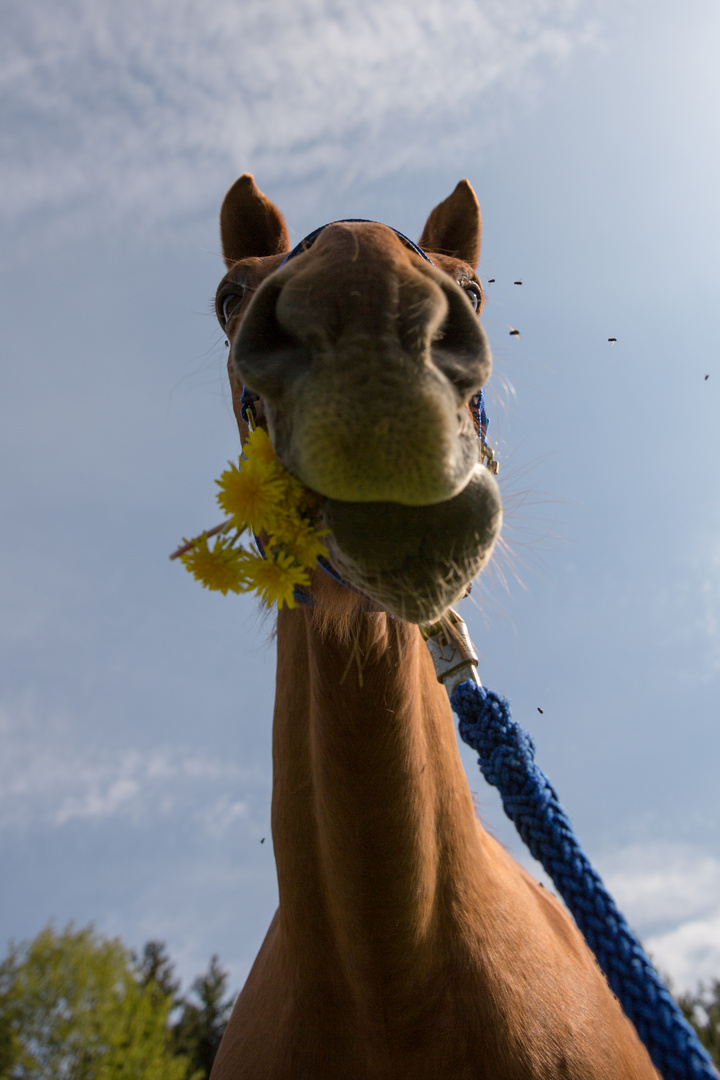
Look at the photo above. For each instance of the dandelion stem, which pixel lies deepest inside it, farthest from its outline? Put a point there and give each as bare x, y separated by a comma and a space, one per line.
210, 532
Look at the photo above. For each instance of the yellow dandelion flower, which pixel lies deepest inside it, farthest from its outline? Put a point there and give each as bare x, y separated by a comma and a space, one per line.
219, 568
294, 494
300, 539
276, 578
251, 494
258, 445
261, 495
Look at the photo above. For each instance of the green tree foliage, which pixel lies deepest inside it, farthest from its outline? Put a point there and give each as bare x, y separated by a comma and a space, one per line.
157, 968
703, 1011
198, 1021
75, 1006
200, 1025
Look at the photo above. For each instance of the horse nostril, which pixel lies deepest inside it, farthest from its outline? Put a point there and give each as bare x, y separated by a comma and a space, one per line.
266, 355
460, 348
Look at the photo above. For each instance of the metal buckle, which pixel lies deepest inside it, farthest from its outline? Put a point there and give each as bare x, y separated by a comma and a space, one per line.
487, 458
452, 651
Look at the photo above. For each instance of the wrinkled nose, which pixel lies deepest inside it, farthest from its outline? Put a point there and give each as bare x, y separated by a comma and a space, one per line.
366, 356
358, 285
353, 287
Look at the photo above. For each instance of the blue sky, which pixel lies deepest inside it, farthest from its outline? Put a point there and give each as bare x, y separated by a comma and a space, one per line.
134, 707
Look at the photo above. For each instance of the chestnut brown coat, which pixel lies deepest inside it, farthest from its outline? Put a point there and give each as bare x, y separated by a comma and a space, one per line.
407, 945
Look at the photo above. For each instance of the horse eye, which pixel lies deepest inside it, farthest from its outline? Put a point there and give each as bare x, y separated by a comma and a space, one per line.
474, 295
229, 303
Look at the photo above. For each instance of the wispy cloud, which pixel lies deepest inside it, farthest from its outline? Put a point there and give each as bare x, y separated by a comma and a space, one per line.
141, 107
48, 781
690, 953
663, 883
670, 894
690, 609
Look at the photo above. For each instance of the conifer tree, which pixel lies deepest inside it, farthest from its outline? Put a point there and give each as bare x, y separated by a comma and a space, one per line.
201, 1023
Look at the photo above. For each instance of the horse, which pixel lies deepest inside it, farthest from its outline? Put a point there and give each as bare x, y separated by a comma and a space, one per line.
407, 942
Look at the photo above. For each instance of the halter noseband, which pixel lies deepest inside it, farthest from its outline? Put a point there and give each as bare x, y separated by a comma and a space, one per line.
310, 239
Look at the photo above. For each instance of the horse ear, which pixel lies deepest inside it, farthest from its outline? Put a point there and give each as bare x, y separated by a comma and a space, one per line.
455, 226
250, 224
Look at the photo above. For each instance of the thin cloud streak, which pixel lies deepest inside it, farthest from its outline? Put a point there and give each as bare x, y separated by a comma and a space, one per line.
670, 894
658, 884
690, 953
51, 783
140, 108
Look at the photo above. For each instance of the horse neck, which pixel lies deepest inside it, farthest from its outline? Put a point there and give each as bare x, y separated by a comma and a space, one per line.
374, 828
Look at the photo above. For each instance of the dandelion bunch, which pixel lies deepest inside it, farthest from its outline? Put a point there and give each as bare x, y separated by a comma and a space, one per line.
259, 496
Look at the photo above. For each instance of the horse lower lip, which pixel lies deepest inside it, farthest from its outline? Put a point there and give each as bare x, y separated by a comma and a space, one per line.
416, 561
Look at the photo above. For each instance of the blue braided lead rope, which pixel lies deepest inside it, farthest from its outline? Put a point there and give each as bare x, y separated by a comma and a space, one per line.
507, 762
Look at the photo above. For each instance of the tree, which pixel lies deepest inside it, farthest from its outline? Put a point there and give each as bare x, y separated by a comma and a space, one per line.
199, 1028
75, 1006
155, 966
702, 1009
198, 1025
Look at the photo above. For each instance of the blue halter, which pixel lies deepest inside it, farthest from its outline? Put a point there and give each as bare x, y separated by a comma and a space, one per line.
309, 240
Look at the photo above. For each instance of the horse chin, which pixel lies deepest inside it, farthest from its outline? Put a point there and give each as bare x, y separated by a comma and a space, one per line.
415, 561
